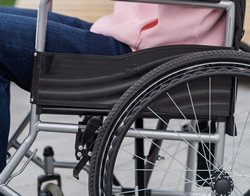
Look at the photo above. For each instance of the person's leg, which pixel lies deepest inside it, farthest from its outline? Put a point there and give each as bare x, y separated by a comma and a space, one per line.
70, 21
17, 43
4, 120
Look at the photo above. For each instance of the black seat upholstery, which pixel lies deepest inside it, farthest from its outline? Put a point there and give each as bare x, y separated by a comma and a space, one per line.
70, 83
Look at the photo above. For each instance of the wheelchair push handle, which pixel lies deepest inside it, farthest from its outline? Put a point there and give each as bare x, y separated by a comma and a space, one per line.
197, 3
41, 27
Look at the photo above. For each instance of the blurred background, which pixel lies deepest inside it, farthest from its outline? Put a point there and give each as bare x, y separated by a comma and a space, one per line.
89, 10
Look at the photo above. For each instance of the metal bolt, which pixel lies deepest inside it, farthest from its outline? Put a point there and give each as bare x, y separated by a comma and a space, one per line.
31, 100
79, 154
89, 153
160, 158
35, 54
80, 147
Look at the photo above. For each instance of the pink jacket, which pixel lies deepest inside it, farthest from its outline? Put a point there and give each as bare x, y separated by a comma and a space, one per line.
142, 25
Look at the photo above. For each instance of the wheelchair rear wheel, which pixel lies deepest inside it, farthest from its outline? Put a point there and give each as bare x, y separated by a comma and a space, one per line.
180, 130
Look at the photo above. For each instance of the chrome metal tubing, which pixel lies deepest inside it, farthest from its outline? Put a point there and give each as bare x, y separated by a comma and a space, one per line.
41, 28
140, 133
171, 135
57, 127
19, 131
35, 159
152, 191
8, 191
220, 147
230, 25
69, 165
197, 3
191, 152
20, 153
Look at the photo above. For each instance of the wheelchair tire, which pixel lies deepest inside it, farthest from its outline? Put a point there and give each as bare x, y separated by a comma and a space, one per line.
53, 189
149, 112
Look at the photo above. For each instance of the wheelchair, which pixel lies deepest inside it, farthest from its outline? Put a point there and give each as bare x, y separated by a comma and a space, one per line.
170, 120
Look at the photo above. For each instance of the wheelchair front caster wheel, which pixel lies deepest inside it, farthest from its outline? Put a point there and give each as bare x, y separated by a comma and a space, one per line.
44, 193
51, 189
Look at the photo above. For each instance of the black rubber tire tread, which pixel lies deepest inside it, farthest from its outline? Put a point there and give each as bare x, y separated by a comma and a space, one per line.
149, 78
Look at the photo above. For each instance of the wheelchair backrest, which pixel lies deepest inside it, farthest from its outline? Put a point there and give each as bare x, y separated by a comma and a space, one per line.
240, 6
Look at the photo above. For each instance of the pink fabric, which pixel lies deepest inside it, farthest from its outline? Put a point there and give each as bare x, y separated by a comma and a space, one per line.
142, 25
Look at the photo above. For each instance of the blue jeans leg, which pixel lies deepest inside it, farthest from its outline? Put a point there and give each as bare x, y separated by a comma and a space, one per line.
70, 21
17, 41
4, 120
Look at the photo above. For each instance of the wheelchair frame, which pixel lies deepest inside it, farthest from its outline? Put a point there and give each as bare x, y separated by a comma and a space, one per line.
37, 125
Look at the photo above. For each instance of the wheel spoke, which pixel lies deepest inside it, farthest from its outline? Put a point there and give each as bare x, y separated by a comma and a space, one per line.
163, 169
188, 169
202, 142
181, 136
236, 153
235, 87
170, 171
169, 165
209, 120
165, 186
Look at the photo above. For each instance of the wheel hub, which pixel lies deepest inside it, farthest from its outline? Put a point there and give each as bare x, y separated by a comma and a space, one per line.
222, 184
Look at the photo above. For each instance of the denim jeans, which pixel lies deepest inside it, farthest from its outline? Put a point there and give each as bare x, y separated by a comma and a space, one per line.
17, 42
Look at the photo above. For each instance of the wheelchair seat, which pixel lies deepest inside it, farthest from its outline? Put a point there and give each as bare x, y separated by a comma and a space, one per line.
83, 84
